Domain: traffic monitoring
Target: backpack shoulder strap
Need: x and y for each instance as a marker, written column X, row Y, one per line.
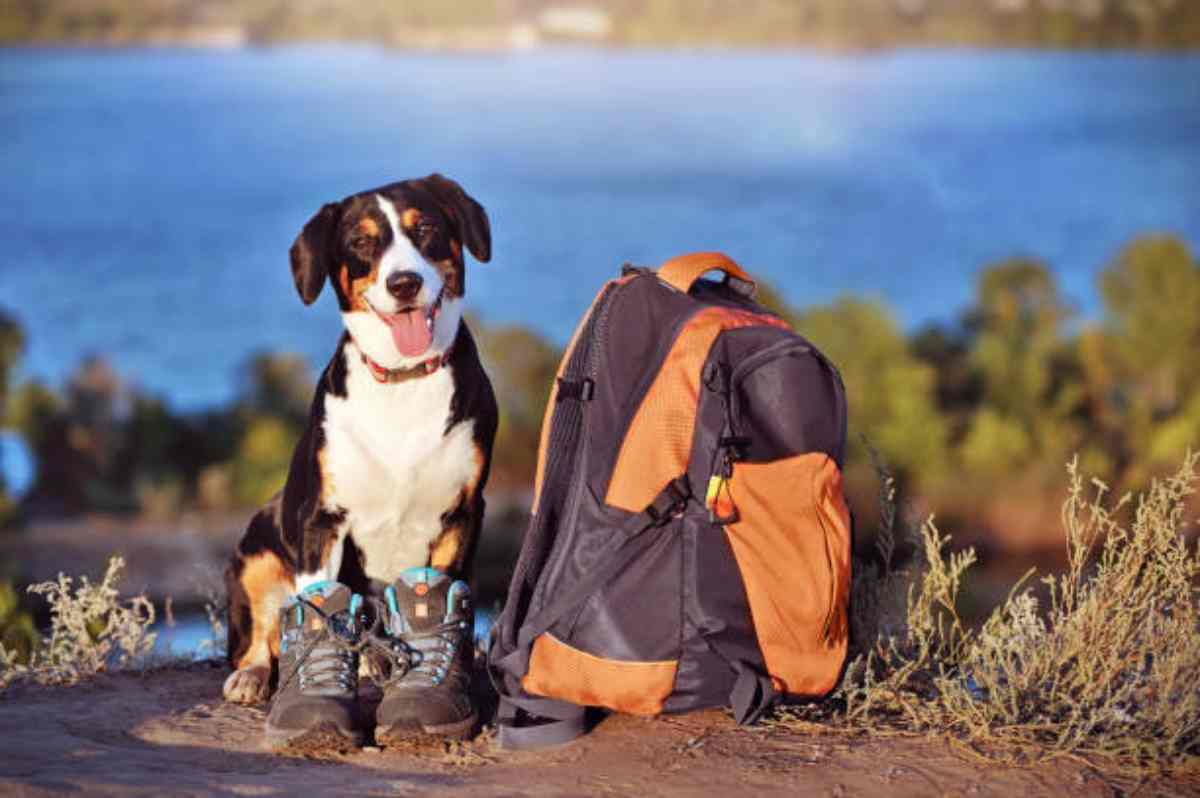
column 559, row 722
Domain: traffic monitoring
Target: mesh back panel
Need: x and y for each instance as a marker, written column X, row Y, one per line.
column 585, row 323
column 556, row 458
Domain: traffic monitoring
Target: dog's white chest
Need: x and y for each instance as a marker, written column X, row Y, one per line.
column 393, row 467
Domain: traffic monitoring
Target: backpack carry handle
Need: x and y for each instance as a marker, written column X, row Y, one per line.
column 682, row 272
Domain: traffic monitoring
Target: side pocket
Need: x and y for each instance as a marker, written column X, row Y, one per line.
column 621, row 647
column 792, row 546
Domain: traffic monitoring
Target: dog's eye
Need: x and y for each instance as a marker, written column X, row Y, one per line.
column 363, row 246
column 425, row 230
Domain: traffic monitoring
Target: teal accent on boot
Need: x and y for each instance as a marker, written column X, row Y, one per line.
column 458, row 599
column 429, row 620
column 355, row 605
column 315, row 705
column 415, row 576
column 324, row 588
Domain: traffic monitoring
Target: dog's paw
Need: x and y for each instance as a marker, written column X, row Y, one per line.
column 374, row 666
column 248, row 685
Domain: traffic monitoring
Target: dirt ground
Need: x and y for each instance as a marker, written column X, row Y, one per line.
column 168, row 732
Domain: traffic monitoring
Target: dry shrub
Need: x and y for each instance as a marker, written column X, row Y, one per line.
column 1114, row 666
column 211, row 585
column 1110, row 668
column 91, row 630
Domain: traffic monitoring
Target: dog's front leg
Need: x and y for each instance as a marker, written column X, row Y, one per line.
column 322, row 547
column 258, row 583
column 454, row 548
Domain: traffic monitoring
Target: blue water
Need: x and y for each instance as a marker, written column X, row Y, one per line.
column 192, row 636
column 149, row 198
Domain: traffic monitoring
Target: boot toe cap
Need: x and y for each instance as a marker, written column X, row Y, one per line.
column 425, row 710
column 306, row 712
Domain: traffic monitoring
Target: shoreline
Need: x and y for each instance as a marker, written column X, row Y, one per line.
column 181, row 559
column 185, row 43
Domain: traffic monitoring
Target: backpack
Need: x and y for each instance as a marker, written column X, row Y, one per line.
column 689, row 542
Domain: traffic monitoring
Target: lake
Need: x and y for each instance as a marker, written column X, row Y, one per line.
column 150, row 196
column 191, row 636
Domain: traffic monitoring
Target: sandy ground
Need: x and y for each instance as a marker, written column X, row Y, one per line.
column 168, row 732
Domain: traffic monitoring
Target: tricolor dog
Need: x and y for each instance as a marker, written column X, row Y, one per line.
column 390, row 471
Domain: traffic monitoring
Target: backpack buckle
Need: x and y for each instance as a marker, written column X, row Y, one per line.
column 735, row 446
column 581, row 390
column 670, row 503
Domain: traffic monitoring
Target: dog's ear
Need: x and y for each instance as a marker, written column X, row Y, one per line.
column 468, row 214
column 312, row 252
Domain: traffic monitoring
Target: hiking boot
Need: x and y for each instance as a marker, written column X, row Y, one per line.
column 429, row 625
column 316, row 706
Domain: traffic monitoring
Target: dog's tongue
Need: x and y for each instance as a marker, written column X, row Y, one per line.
column 411, row 333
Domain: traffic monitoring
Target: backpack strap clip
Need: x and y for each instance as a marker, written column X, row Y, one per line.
column 670, row 502
column 580, row 390
column 753, row 695
column 735, row 445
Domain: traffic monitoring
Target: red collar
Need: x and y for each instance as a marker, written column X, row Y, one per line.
column 422, row 369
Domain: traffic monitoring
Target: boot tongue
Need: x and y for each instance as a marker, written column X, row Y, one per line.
column 332, row 598
column 411, row 332
column 421, row 594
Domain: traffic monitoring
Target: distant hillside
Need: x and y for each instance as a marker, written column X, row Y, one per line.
column 490, row 24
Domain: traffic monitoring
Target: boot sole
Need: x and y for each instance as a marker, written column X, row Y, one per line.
column 458, row 730
column 324, row 738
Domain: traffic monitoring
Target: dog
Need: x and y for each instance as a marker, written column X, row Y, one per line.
column 390, row 471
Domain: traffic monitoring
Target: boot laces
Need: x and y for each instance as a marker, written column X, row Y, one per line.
column 419, row 659
column 328, row 660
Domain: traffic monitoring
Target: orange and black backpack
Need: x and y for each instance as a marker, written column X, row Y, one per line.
column 689, row 544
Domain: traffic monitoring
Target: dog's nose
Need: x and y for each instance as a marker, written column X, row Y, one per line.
column 404, row 285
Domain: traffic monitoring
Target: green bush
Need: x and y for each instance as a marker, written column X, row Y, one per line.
column 18, row 634
column 261, row 465
column 522, row 366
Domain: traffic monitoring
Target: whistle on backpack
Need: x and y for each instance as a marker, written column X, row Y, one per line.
column 719, row 498
column 721, row 509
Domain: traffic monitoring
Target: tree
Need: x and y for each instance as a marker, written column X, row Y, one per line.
column 522, row 366
column 1152, row 298
column 1025, row 370
column 1141, row 369
column 12, row 343
column 889, row 391
column 280, row 385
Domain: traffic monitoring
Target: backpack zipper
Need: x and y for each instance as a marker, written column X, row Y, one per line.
column 760, row 358
column 772, row 352
column 730, row 446
column 781, row 348
column 768, row 353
